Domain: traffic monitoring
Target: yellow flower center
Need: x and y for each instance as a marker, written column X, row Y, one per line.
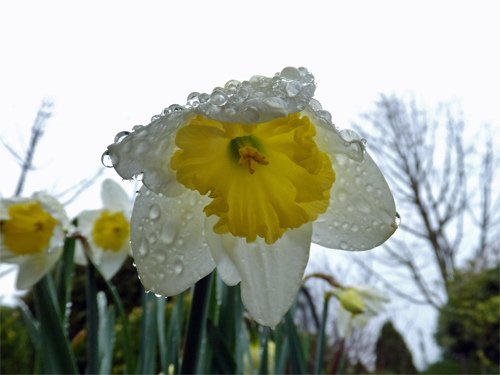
column 111, row 230
column 263, row 179
column 28, row 229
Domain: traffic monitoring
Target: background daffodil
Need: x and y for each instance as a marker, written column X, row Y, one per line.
column 358, row 304
column 107, row 231
column 244, row 179
column 32, row 235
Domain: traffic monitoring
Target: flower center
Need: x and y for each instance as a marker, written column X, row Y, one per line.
column 226, row 162
column 111, row 231
column 246, row 150
column 28, row 229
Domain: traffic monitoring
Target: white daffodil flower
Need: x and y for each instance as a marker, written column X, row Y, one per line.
column 107, row 231
column 243, row 180
column 357, row 306
column 32, row 235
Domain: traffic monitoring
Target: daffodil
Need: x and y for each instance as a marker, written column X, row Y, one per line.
column 106, row 230
column 244, row 179
column 32, row 232
column 358, row 304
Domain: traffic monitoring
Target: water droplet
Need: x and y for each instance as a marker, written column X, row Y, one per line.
column 345, row 226
column 336, row 224
column 152, row 238
column 342, row 195
column 178, row 266
column 218, row 98
column 160, row 257
column 369, row 188
column 251, row 114
column 137, row 127
column 180, row 242
column 143, row 249
column 354, row 228
column 397, row 221
column 155, row 117
column 363, row 207
column 193, row 99
column 232, row 84
column 121, row 136
column 350, row 208
column 203, row 97
column 175, row 108
column 154, row 212
column 106, row 159
column 168, row 234
column 290, row 73
column 293, row 88
column 161, row 275
column 344, row 245
column 158, row 295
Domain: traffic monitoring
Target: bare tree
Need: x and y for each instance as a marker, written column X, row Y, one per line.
column 440, row 189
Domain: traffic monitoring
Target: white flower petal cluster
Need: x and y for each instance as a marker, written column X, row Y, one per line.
column 175, row 242
column 108, row 261
column 32, row 235
column 372, row 303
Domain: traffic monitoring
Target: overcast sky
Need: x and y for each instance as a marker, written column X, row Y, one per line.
column 111, row 65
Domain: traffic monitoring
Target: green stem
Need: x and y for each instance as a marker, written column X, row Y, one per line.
column 55, row 353
column 92, row 320
column 197, row 324
column 321, row 340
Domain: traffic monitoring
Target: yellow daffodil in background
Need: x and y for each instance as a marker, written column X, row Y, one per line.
column 244, row 179
column 32, row 232
column 357, row 306
column 107, row 231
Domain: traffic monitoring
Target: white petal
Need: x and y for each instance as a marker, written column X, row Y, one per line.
column 168, row 242
column 148, row 151
column 226, row 268
column 343, row 322
column 33, row 267
column 114, row 198
column 110, row 262
column 270, row 275
column 362, row 213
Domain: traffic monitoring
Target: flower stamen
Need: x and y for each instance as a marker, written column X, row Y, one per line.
column 250, row 154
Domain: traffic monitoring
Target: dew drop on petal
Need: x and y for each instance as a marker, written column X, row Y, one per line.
column 342, row 195
column 193, row 99
column 154, row 212
column 106, row 159
column 152, row 238
column 121, row 136
column 290, row 73
column 218, row 98
column 344, row 245
column 143, row 248
column 369, row 188
column 178, row 266
column 168, row 234
column 293, row 88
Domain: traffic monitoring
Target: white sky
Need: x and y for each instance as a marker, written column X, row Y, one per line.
column 111, row 65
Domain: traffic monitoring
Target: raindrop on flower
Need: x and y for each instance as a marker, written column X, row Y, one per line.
column 218, row 98
column 106, row 159
column 290, row 73
column 344, row 245
column 203, row 97
column 178, row 266
column 293, row 88
column 154, row 212
column 193, row 99
column 175, row 108
column 121, row 136
column 155, row 117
